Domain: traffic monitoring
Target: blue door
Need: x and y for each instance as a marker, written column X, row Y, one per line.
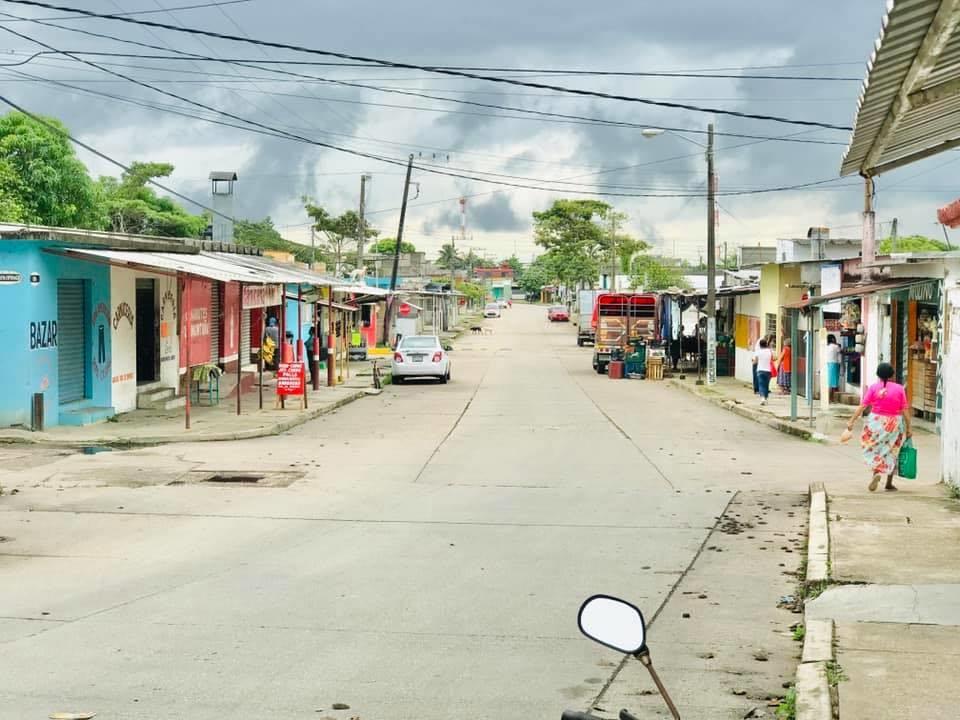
column 71, row 340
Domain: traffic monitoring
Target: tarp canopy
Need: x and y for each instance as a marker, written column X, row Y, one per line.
column 909, row 106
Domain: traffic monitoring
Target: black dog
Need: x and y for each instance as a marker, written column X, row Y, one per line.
column 476, row 330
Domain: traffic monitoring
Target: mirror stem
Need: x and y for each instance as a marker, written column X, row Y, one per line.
column 644, row 657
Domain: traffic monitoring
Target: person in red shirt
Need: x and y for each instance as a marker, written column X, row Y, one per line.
column 886, row 427
column 784, row 367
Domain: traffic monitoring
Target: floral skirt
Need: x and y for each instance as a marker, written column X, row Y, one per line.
column 881, row 440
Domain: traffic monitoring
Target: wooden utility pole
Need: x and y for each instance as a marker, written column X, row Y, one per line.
column 711, row 263
column 361, row 229
column 613, row 251
column 396, row 253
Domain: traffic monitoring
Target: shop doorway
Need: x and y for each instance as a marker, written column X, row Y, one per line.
column 73, row 368
column 148, row 332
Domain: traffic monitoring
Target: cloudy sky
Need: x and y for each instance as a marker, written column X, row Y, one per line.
column 371, row 110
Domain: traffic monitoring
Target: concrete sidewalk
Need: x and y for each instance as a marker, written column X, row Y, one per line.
column 208, row 423
column 738, row 397
column 894, row 600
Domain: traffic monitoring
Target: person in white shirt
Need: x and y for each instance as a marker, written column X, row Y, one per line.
column 763, row 364
column 833, row 364
column 756, row 349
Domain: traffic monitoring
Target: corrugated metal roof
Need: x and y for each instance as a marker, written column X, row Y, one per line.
column 909, row 106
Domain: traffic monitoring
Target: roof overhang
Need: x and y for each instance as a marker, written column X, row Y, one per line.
column 909, row 106
column 857, row 291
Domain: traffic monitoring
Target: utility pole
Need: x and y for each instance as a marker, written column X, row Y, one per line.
column 711, row 264
column 361, row 229
column 391, row 300
column 893, row 235
column 613, row 246
column 463, row 239
column 313, row 247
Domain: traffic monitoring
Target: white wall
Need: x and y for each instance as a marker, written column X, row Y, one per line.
column 123, row 289
column 747, row 305
column 950, row 419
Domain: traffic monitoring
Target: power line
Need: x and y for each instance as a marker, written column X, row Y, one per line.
column 572, row 119
column 104, row 156
column 139, row 12
column 437, row 70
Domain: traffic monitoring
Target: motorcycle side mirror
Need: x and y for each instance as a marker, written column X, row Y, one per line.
column 614, row 623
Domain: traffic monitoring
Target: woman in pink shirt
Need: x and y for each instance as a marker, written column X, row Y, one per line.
column 886, row 426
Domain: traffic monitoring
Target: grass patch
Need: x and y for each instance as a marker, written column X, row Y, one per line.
column 799, row 633
column 835, row 674
column 953, row 491
column 787, row 709
column 810, row 591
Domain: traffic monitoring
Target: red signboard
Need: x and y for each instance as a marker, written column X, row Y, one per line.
column 196, row 302
column 291, row 379
column 949, row 215
column 230, row 333
column 404, row 309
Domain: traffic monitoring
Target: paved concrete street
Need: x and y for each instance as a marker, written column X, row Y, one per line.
column 419, row 554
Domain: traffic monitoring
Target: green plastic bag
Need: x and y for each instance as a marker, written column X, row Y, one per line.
column 907, row 463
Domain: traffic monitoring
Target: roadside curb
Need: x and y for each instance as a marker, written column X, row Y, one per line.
column 818, row 536
column 814, row 700
column 184, row 436
column 758, row 416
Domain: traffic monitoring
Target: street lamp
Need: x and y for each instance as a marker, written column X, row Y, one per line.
column 711, row 247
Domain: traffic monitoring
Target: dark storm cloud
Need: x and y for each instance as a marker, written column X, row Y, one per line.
column 493, row 214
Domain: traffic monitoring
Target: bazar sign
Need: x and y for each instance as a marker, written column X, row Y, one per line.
column 258, row 296
column 9, row 277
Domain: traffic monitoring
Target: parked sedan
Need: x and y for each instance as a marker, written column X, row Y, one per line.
column 492, row 310
column 420, row 356
column 558, row 313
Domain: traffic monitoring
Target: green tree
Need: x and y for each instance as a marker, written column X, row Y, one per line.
column 389, row 246
column 341, row 231
column 573, row 232
column 911, row 243
column 514, row 262
column 654, row 274
column 449, row 258
column 541, row 272
column 263, row 234
column 476, row 293
column 132, row 207
column 42, row 181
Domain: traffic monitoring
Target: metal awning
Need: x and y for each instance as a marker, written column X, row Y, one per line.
column 857, row 291
column 909, row 106
column 225, row 267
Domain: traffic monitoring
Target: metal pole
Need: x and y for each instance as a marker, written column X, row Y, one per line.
column 809, row 373
column 187, row 314
column 396, row 253
column 711, row 264
column 613, row 246
column 313, row 247
column 283, row 336
column 263, row 333
column 331, row 340
column 301, row 351
column 794, row 337
column 314, row 360
column 239, row 343
column 361, row 229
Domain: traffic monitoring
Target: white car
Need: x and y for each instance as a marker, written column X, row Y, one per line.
column 420, row 356
column 492, row 310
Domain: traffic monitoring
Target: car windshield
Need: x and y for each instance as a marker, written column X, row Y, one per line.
column 558, row 309
column 492, row 306
column 421, row 342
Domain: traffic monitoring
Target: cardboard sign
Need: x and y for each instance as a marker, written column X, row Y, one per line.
column 291, row 379
column 258, row 296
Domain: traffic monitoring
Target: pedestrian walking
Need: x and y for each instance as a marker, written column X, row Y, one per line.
column 764, row 365
column 784, row 367
column 833, row 364
column 756, row 349
column 886, row 426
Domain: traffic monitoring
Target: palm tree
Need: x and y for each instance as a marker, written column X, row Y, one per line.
column 449, row 257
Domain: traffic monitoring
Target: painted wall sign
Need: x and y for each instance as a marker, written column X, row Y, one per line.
column 258, row 296
column 101, row 357
column 123, row 311
column 168, row 311
column 199, row 318
column 34, row 278
column 229, row 337
column 10, row 277
column 43, row 334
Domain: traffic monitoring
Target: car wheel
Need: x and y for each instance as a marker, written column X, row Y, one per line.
column 397, row 380
column 444, row 379
column 601, row 369
column 579, row 342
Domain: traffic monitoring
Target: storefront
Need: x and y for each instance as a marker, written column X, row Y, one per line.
column 922, row 347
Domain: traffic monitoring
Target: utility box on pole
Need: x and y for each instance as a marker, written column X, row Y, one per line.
column 222, row 183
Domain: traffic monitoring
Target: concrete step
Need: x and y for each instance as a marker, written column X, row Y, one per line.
column 147, row 387
column 155, row 398
column 85, row 415
column 172, row 403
